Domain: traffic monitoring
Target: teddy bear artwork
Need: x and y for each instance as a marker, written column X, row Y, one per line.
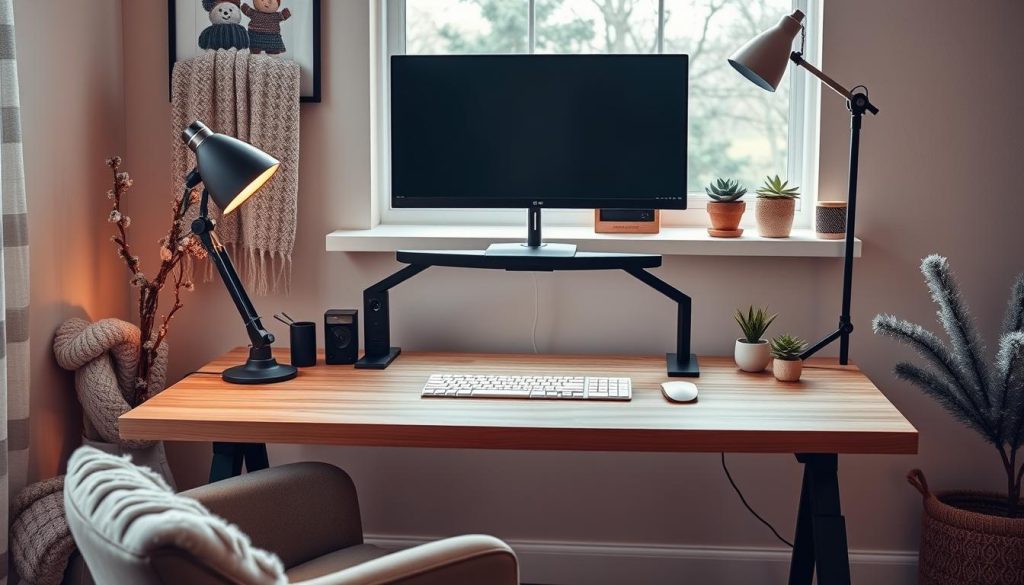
column 226, row 30
column 265, row 26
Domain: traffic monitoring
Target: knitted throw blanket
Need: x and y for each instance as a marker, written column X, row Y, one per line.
column 104, row 356
column 254, row 98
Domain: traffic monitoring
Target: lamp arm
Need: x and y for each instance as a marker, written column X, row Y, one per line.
column 832, row 84
column 202, row 227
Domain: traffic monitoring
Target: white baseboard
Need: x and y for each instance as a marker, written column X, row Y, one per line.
column 587, row 563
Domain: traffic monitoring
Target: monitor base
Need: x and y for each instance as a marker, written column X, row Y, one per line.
column 547, row 250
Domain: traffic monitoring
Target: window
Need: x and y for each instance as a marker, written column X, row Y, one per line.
column 736, row 129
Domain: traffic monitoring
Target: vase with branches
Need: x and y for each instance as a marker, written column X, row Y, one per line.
column 986, row 395
column 178, row 248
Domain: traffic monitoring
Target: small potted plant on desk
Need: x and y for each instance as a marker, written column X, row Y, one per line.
column 969, row 536
column 726, row 209
column 787, row 365
column 776, row 206
column 751, row 351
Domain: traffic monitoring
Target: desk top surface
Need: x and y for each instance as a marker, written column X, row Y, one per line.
column 834, row 409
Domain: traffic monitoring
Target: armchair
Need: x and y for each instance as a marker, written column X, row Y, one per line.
column 306, row 513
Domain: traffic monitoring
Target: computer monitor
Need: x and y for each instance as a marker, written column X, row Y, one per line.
column 535, row 131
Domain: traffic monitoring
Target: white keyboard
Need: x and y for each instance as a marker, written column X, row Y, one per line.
column 547, row 387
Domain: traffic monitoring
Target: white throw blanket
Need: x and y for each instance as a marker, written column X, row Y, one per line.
column 254, row 98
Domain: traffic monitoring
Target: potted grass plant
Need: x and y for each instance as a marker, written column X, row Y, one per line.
column 969, row 537
column 776, row 206
column 725, row 208
column 786, row 362
column 751, row 351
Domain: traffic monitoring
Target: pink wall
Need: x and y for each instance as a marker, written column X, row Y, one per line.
column 72, row 107
column 938, row 171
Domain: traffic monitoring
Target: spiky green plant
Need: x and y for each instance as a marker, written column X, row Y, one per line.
column 725, row 190
column 776, row 188
column 986, row 396
column 787, row 347
column 754, row 323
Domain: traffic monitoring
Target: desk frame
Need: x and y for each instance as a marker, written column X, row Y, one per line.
column 835, row 410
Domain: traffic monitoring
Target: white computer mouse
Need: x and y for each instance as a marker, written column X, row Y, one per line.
column 679, row 391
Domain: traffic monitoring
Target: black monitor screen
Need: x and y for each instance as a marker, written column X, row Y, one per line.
column 569, row 131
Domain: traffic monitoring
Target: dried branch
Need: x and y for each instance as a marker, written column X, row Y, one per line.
column 176, row 248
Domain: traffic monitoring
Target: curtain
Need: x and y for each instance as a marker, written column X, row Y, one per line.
column 14, row 296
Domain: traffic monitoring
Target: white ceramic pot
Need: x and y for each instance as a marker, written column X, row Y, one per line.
column 752, row 357
column 787, row 370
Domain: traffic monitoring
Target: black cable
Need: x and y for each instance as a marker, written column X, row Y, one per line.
column 749, row 509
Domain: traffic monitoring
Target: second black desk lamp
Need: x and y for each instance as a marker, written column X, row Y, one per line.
column 231, row 171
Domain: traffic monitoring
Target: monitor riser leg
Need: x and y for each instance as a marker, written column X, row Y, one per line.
column 686, row 368
column 378, row 362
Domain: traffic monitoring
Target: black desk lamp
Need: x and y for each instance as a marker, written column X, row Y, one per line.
column 231, row 171
column 763, row 61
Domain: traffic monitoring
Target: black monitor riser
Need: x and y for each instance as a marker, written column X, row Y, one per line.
column 376, row 322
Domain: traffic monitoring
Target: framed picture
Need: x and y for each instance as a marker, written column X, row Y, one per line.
column 289, row 29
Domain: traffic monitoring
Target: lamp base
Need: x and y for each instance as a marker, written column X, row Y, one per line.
column 260, row 368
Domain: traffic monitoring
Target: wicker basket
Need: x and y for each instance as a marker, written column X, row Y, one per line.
column 964, row 543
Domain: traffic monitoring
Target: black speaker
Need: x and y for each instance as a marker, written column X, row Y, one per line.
column 341, row 336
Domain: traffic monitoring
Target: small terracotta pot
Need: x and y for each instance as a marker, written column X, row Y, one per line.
column 787, row 370
column 752, row 357
column 775, row 216
column 725, row 218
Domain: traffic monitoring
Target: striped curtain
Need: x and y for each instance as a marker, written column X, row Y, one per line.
column 14, row 395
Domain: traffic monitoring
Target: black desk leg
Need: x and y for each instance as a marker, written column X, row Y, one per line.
column 228, row 459
column 820, row 527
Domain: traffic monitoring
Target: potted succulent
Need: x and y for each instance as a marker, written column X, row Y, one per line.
column 751, row 352
column 776, row 205
column 725, row 209
column 966, row 536
column 787, row 365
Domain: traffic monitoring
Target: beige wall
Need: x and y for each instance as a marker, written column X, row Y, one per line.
column 72, row 99
column 938, row 174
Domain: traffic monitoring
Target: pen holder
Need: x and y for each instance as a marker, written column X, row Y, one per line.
column 303, row 341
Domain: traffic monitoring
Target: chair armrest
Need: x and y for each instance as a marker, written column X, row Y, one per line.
column 458, row 560
column 298, row 511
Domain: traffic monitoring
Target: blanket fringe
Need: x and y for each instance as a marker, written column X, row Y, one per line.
column 263, row 272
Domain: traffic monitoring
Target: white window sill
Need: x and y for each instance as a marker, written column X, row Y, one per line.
column 681, row 241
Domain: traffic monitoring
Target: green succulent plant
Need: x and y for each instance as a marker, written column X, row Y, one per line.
column 754, row 323
column 787, row 347
column 725, row 190
column 776, row 188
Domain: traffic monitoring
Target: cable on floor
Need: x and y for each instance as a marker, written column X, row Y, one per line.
column 749, row 509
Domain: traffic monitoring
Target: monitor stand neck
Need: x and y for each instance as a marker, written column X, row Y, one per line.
column 533, row 246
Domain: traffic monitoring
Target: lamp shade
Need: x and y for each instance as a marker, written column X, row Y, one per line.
column 232, row 170
column 764, row 58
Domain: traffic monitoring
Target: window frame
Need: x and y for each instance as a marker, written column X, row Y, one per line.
column 803, row 139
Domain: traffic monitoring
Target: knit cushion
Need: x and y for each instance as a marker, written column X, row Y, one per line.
column 40, row 541
column 122, row 515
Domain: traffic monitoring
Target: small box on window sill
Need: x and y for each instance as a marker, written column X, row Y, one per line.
column 627, row 221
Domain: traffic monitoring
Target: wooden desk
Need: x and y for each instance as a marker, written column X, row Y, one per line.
column 834, row 409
